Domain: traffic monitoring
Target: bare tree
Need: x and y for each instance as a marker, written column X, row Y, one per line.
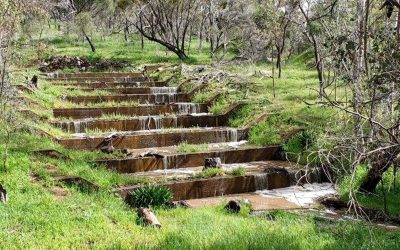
column 167, row 22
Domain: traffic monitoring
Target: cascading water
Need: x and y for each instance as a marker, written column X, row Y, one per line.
column 188, row 108
column 80, row 126
column 261, row 181
column 165, row 164
column 146, row 121
column 165, row 98
column 233, row 134
column 175, row 122
column 164, row 90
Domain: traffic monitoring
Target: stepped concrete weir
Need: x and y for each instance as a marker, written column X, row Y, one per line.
column 141, row 98
column 113, row 85
column 93, row 74
column 158, row 96
column 155, row 138
column 187, row 160
column 88, row 79
column 140, row 110
column 149, row 122
column 261, row 176
column 132, row 90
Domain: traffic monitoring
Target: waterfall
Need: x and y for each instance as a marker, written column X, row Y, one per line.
column 261, row 181
column 145, row 122
column 171, row 98
column 164, row 90
column 165, row 98
column 233, row 135
column 188, row 108
column 165, row 164
column 175, row 121
column 158, row 121
column 77, row 126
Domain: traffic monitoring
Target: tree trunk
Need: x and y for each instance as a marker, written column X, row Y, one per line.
column 142, row 40
column 92, row 47
column 374, row 176
column 279, row 62
column 380, row 164
column 126, row 30
column 398, row 25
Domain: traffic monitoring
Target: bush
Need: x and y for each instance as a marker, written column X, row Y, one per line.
column 240, row 171
column 150, row 196
column 201, row 97
column 209, row 173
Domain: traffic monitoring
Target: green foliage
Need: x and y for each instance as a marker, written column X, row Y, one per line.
column 301, row 141
column 201, row 97
column 219, row 107
column 209, row 173
column 266, row 132
column 240, row 171
column 245, row 115
column 191, row 148
column 151, row 195
column 391, row 189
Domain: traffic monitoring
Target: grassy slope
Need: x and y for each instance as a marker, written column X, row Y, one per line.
column 35, row 218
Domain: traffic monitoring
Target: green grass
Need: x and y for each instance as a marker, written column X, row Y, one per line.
column 209, row 173
column 36, row 218
column 391, row 189
column 191, row 148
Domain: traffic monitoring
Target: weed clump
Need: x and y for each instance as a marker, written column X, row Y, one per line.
column 240, row 171
column 209, row 173
column 150, row 196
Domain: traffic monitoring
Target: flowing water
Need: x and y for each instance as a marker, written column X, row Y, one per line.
column 188, row 108
column 164, row 98
column 163, row 90
column 303, row 196
column 233, row 134
column 147, row 121
column 261, row 181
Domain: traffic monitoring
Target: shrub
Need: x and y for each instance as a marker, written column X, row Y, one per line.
column 240, row 171
column 219, row 107
column 201, row 97
column 209, row 173
column 150, row 196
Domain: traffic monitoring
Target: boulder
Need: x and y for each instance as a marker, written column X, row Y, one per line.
column 212, row 163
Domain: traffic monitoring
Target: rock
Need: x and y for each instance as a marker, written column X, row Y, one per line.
column 34, row 81
column 199, row 69
column 3, row 194
column 180, row 203
column 212, row 163
column 233, row 206
column 108, row 149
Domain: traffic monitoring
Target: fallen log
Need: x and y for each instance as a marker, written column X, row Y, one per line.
column 148, row 217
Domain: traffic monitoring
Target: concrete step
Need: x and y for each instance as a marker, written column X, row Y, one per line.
column 260, row 176
column 140, row 98
column 155, row 138
column 148, row 122
column 141, row 110
column 176, row 160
